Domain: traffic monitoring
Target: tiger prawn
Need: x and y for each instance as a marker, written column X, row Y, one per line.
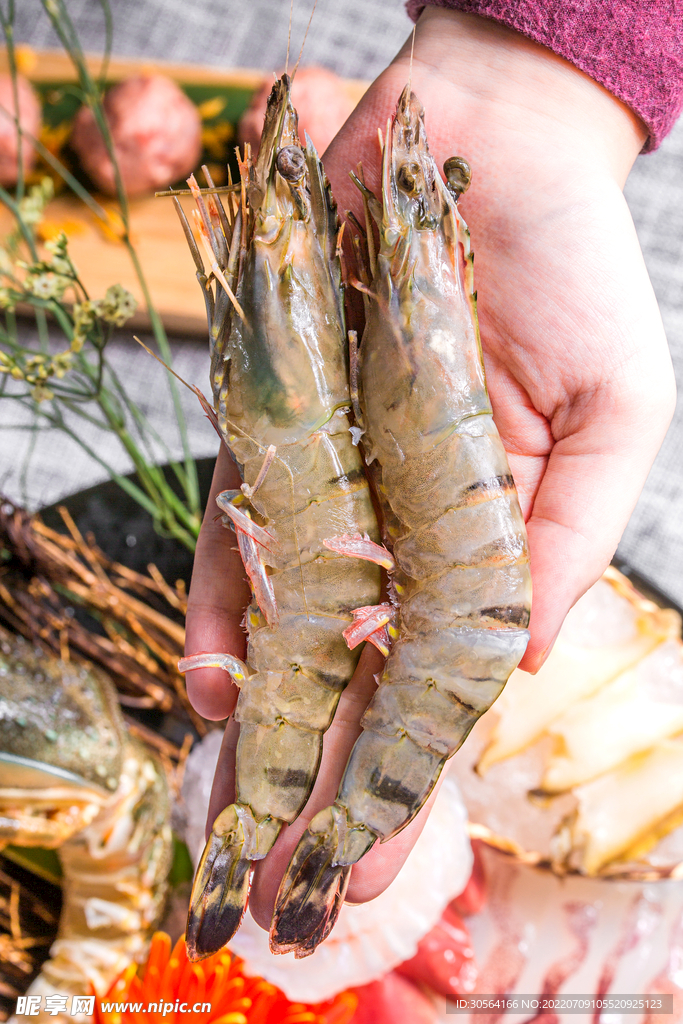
column 280, row 384
column 460, row 561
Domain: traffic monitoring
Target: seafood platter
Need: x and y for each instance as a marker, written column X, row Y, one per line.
column 571, row 786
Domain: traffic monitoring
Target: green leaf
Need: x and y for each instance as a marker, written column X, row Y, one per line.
column 42, row 862
column 182, row 869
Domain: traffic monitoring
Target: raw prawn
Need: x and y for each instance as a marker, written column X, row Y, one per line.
column 73, row 781
column 461, row 574
column 280, row 385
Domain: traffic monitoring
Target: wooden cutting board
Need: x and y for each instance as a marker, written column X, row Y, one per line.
column 101, row 259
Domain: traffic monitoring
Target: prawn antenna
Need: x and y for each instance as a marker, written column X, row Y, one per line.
column 410, row 69
column 289, row 34
column 315, row 4
column 203, row 401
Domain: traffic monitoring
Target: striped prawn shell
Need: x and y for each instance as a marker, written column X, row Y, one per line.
column 454, row 521
column 280, row 377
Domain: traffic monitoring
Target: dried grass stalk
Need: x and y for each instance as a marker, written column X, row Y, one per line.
column 135, row 636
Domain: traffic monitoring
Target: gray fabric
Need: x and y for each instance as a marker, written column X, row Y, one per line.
column 39, row 468
column 653, row 541
column 356, row 38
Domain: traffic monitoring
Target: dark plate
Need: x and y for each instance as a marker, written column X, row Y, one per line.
column 646, row 587
column 124, row 530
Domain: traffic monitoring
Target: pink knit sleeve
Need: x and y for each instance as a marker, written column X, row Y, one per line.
column 632, row 47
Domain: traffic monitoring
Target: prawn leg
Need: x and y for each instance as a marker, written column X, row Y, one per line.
column 374, row 623
column 252, row 542
column 461, row 578
column 235, row 668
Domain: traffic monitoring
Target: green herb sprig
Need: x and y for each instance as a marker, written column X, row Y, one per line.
column 72, row 377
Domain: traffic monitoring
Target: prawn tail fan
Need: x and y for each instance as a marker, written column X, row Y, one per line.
column 221, row 885
column 313, row 890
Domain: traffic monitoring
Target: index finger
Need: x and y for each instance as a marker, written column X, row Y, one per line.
column 219, row 594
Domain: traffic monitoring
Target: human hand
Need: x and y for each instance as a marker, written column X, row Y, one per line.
column 577, row 364
column 576, row 358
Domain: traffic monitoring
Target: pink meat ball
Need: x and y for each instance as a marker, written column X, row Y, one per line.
column 29, row 119
column 156, row 132
column 320, row 99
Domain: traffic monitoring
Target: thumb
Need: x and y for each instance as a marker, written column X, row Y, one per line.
column 579, row 514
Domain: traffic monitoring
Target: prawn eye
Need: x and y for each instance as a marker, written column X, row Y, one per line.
column 291, row 163
column 458, row 175
column 408, row 178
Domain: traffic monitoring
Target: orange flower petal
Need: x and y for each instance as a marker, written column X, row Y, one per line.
column 339, row 1010
column 159, row 954
column 219, row 981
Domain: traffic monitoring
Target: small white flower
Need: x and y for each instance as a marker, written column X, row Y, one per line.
column 33, row 204
column 47, row 286
column 117, row 306
column 41, row 393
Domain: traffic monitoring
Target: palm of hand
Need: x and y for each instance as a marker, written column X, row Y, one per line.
column 577, row 363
